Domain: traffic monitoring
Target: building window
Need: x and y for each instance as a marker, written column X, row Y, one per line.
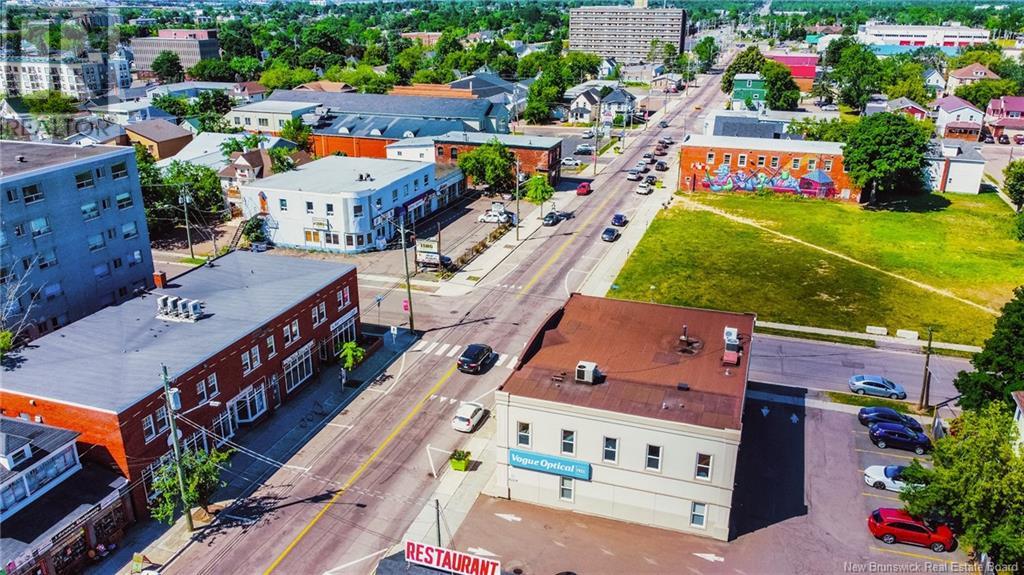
column 134, row 259
column 47, row 259
column 698, row 514
column 12, row 195
column 330, row 209
column 129, row 231
column 727, row 159
column 703, row 466
column 162, row 423
column 264, row 122
column 238, row 121
column 31, row 194
column 760, row 161
column 440, row 151
column 124, row 201
column 775, row 161
column 343, row 298
column 201, row 390
column 796, row 164
column 255, row 354
column 610, row 453
column 101, row 270
column 96, row 242
column 211, row 386
column 711, row 158
column 309, row 207
column 105, row 203
column 283, row 204
column 90, row 211
column 332, row 238
column 455, row 153
column 568, row 442
column 119, row 170
column 523, row 434
column 394, row 195
column 315, row 312
column 565, row 488
column 295, row 330
column 117, row 263
column 827, row 165
column 251, row 403
column 741, row 161
column 298, row 368
column 248, row 121
column 653, row 462
column 812, row 164
column 39, row 227
column 357, row 211
column 148, row 430
column 84, row 180
column 271, row 347
column 246, row 363
column 312, row 236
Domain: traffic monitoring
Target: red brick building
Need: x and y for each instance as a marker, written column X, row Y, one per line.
column 536, row 154
column 734, row 164
column 804, row 67
column 264, row 326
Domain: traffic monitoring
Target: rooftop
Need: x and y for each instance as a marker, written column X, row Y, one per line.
column 387, row 105
column 204, row 149
column 42, row 439
column 785, row 146
column 157, row 130
column 974, row 71
column 111, row 359
column 952, row 103
column 636, row 347
column 747, row 77
column 378, row 126
column 278, row 106
column 511, row 140
column 339, row 174
column 38, row 156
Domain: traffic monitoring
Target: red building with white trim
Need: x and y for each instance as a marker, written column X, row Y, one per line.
column 804, row 67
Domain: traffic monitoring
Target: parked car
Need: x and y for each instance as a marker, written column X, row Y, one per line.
column 885, row 435
column 666, row 141
column 869, row 415
column 830, row 108
column 651, row 179
column 889, row 477
column 643, row 167
column 1018, row 139
column 610, row 234
column 660, row 151
column 876, row 385
column 619, row 220
column 585, row 149
column 634, row 175
column 474, row 358
column 587, row 134
column 661, row 166
column 988, row 140
column 663, row 124
column 490, row 217
column 643, row 188
column 898, row 526
column 552, row 219
column 649, row 158
column 1004, row 139
column 583, row 189
column 571, row 162
column 467, row 417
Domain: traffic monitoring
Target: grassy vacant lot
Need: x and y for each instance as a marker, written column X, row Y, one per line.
column 702, row 259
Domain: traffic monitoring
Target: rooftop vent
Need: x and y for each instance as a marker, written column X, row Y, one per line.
column 173, row 308
column 683, row 386
column 731, row 355
column 587, row 372
column 20, row 158
column 687, row 344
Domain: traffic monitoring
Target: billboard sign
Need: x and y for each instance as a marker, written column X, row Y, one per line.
column 549, row 464
column 449, row 561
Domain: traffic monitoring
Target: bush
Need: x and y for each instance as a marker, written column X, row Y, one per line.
column 1020, row 226
column 253, row 230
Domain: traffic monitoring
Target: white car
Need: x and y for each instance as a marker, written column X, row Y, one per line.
column 571, row 162
column 634, row 175
column 643, row 188
column 888, row 477
column 493, row 218
column 467, row 417
column 587, row 134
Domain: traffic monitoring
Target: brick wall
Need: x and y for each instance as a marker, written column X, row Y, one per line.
column 351, row 146
column 531, row 160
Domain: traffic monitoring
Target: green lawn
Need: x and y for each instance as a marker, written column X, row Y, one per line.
column 701, row 259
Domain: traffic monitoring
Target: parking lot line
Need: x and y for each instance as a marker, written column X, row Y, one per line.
column 915, row 555
column 887, row 454
column 880, row 496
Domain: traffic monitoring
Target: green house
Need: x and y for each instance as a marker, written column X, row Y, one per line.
column 748, row 91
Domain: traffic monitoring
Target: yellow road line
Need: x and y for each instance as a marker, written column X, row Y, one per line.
column 931, row 558
column 880, row 496
column 362, row 469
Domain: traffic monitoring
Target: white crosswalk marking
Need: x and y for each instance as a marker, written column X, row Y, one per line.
column 419, row 345
column 430, row 347
column 444, row 347
column 455, row 350
column 501, row 359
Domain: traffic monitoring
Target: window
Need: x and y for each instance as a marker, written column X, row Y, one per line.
column 101, row 270
column 440, row 151
column 568, row 442
column 653, row 462
column 19, row 230
column 523, row 434
column 315, row 312
column 84, row 180
column 12, row 195
column 455, row 153
column 394, row 195
column 248, row 121
column 330, row 209
column 295, row 330
column 312, row 236
column 111, row 233
column 610, row 453
column 119, row 170
column 39, row 227
column 255, row 353
column 117, row 263
column 148, row 431
column 90, row 211
column 201, row 390
column 280, row 123
column 298, row 367
column 287, row 335
column 703, row 466
column 31, row 194
column 309, row 207
column 760, row 161
column 711, row 158
column 47, row 259
column 283, row 204
column 105, row 203
column 263, row 122
column 812, row 164
column 251, row 403
column 727, row 159
column 211, row 386
column 344, row 298
column 124, row 201
column 827, row 165
column 271, row 347
column 698, row 514
column 357, row 211
column 796, row 164
column 332, row 238
column 129, row 231
column 238, row 121
column 162, row 422
column 246, row 362
column 323, row 311
column 565, row 488
column 96, row 242
column 134, row 258
column 775, row 161
column 741, row 161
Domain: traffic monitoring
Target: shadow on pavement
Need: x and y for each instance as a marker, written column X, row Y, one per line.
column 770, row 468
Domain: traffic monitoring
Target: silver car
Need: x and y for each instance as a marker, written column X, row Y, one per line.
column 876, row 385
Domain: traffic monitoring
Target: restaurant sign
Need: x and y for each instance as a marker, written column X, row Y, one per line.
column 450, row 561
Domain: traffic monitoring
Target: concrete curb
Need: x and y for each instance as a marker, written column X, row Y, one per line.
column 869, row 337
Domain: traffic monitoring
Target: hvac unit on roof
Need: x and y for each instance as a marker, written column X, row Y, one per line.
column 183, row 307
column 587, row 372
column 195, row 309
column 172, row 305
column 731, row 355
column 161, row 304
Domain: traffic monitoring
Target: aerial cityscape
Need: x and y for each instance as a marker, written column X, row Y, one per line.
column 544, row 287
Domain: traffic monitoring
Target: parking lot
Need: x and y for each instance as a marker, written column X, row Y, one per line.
column 799, row 489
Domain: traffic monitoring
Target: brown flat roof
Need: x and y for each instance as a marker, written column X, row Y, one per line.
column 18, row 157
column 637, row 348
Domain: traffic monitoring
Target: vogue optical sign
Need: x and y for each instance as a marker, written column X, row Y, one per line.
column 450, row 561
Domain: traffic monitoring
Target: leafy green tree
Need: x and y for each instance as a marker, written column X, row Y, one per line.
column 173, row 105
column 6, row 342
column 707, row 51
column 531, row 64
column 987, row 58
column 281, row 160
column 448, row 43
column 297, row 131
column 749, row 61
column 857, row 74
column 202, row 471
column 203, row 185
column 167, row 67
column 406, row 63
column 253, row 229
column 284, row 77
column 538, row 190
column 216, row 101
column 999, row 367
column 887, row 151
column 1013, row 183
column 49, row 102
column 491, row 164
column 158, row 201
column 822, row 91
column 979, row 93
column 911, row 88
column 241, row 144
column 211, row 70
column 246, row 67
column 350, row 354
column 363, row 78
column 835, row 50
column 822, row 130
column 782, row 91
column 578, row 66
column 976, row 482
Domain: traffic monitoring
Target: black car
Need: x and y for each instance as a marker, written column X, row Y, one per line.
column 552, row 219
column 895, row 435
column 610, row 234
column 871, row 415
column 663, row 124
column 988, row 140
column 475, row 358
column 1004, row 139
column 661, row 166
column 651, row 179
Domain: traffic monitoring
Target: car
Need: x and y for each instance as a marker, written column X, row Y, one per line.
column 888, row 477
column 651, row 179
column 583, row 189
column 1004, row 139
column 490, row 217
column 666, row 141
column 610, row 234
column 885, row 435
column 587, row 134
column 663, row 124
column 1018, row 139
column 661, row 166
column 634, row 175
column 468, row 416
column 474, row 358
column 830, row 108
column 660, row 151
column 643, row 188
column 552, row 219
column 571, row 162
column 643, row 166
column 585, row 149
column 898, row 526
column 649, row 158
column 876, row 385
column 988, row 140
column 619, row 220
column 869, row 415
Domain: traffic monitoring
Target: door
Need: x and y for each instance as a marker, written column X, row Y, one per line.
column 914, row 534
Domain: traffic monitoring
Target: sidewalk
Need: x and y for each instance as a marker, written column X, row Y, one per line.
column 886, row 339
column 302, row 417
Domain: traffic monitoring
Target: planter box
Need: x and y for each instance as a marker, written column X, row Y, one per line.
column 459, row 464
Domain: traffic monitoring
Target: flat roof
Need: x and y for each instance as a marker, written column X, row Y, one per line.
column 42, row 440
column 338, row 174
column 276, row 106
column 389, row 105
column 636, row 345
column 38, row 155
column 111, row 359
column 158, row 130
column 516, row 141
column 788, row 146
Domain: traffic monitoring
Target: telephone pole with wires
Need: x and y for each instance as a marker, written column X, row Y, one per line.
column 185, row 198
column 170, row 402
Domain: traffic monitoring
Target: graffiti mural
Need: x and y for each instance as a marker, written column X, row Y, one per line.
column 815, row 184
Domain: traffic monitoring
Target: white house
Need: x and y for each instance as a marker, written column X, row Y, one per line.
column 955, row 166
column 956, row 117
column 267, row 116
column 934, row 80
column 614, row 429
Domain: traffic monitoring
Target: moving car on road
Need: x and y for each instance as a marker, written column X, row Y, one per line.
column 571, row 162
column 585, row 149
column 643, row 188
column 663, row 124
column 876, row 385
column 583, row 189
column 610, row 234
column 634, row 175
column 643, row 167
column 661, row 166
column 587, row 134
column 888, row 477
column 660, row 151
column 898, row 526
column 649, row 158
column 651, row 179
column 468, row 416
column 885, row 435
column 619, row 220
column 666, row 141
column 869, row 415
column 474, row 358
column 552, row 219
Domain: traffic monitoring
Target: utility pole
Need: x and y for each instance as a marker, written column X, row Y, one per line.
column 184, row 198
column 926, row 381
column 597, row 136
column 437, row 514
column 517, row 200
column 405, row 260
column 177, row 448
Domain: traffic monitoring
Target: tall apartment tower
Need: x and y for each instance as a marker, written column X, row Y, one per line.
column 625, row 33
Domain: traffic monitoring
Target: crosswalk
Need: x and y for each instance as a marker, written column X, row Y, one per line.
column 453, row 350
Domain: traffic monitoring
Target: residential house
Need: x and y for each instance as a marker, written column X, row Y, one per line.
column 748, row 91
column 670, row 82
column 1004, row 107
column 957, row 118
column 618, row 102
column 205, row 150
column 968, row 75
column 607, row 67
column 248, row 92
column 934, row 81
column 583, row 107
column 908, row 107
column 640, row 72
column 954, row 166
column 160, row 138
column 268, row 116
column 571, row 93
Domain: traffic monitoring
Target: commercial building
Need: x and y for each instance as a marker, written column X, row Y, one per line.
column 733, row 164
column 266, row 325
column 191, row 46
column 969, row 75
column 954, row 166
column 345, row 204
column 749, row 92
column 535, row 154
column 267, row 116
column 57, row 515
column 627, row 410
column 74, row 77
column 957, row 118
column 160, row 138
column 368, row 136
column 625, row 33
column 74, row 236
column 949, row 35
column 717, row 122
column 803, row 67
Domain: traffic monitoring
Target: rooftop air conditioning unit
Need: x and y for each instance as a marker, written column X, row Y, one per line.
column 586, row 372
column 731, row 355
column 172, row 305
column 183, row 307
column 161, row 304
column 195, row 309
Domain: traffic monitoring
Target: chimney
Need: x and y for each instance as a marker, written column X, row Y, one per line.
column 160, row 279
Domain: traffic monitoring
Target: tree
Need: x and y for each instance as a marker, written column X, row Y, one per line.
column 297, row 131
column 160, row 206
column 284, row 77
column 247, row 67
column 491, row 164
column 202, row 478
column 579, row 66
column 281, row 160
column 749, row 61
column 910, row 88
column 999, row 367
column 822, row 130
column 835, row 49
column 349, row 353
column 49, row 102
column 173, row 105
column 822, row 91
column 202, row 183
column 241, row 144
column 167, row 67
column 782, row 91
column 979, row 93
column 1013, row 183
column 211, row 70
column 253, row 230
column 16, row 302
column 707, row 51
column 887, row 151
column 976, row 483
column 857, row 74
column 538, row 190
column 216, row 101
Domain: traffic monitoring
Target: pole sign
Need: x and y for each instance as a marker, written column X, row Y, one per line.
column 549, row 464
column 450, row 561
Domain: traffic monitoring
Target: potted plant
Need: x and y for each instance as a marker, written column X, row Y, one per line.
column 459, row 460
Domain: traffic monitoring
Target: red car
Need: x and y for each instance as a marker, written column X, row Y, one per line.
column 660, row 151
column 583, row 189
column 898, row 526
column 1018, row 139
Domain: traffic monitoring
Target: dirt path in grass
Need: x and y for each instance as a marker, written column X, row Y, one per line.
column 690, row 204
